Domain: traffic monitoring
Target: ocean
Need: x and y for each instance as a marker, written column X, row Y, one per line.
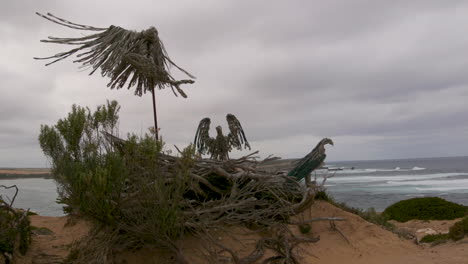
column 361, row 184
column 380, row 183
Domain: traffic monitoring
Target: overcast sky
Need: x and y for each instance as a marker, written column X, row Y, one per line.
column 383, row 79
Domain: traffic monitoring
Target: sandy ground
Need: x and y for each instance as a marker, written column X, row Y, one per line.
column 369, row 243
column 54, row 246
column 360, row 242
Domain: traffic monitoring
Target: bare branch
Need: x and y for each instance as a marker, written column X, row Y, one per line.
column 14, row 196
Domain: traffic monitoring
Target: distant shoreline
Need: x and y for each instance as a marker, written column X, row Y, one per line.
column 8, row 176
column 16, row 173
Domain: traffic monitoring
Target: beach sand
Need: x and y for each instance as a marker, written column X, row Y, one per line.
column 359, row 242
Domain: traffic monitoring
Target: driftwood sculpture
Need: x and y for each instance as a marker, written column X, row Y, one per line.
column 127, row 57
column 311, row 161
column 220, row 146
column 219, row 194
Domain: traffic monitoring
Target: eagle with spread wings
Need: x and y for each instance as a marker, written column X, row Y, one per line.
column 220, row 146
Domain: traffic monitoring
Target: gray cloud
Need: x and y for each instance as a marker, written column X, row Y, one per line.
column 384, row 79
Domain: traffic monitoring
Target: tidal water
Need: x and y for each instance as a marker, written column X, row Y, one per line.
column 37, row 194
column 361, row 184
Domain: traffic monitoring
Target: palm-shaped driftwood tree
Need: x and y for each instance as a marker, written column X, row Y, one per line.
column 128, row 57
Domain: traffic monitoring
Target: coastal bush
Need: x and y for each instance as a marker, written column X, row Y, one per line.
column 427, row 208
column 459, row 230
column 324, row 196
column 117, row 184
column 89, row 172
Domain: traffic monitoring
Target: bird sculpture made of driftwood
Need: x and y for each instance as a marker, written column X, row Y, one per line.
column 220, row 146
column 311, row 161
column 129, row 58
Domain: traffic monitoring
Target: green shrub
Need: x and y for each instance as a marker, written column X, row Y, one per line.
column 14, row 228
column 305, row 228
column 434, row 238
column 459, row 230
column 323, row 196
column 8, row 234
column 428, row 208
column 89, row 172
column 117, row 184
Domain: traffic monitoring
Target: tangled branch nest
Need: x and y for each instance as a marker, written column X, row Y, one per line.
column 217, row 194
column 233, row 192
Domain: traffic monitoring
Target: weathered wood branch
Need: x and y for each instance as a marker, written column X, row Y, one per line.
column 14, row 196
column 316, row 220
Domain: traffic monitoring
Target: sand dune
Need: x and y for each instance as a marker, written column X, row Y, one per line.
column 362, row 242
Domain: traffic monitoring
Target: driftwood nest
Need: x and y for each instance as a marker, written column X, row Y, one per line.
column 161, row 198
column 237, row 192
column 234, row 192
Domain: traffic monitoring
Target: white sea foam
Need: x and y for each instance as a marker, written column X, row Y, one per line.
column 371, row 170
column 442, row 189
column 415, row 195
column 460, row 183
column 401, row 179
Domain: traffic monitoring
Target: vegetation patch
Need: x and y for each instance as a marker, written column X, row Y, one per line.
column 427, row 208
column 459, row 230
column 15, row 233
column 41, row 231
column 438, row 238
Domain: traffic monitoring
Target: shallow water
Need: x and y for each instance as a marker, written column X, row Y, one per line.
column 37, row 194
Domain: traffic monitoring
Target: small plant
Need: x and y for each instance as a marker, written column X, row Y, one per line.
column 459, row 230
column 434, row 238
column 41, row 230
column 323, row 196
column 305, row 228
column 428, row 208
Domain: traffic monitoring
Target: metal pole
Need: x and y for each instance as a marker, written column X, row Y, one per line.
column 154, row 114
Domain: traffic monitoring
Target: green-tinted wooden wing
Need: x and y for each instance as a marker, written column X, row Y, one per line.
column 311, row 161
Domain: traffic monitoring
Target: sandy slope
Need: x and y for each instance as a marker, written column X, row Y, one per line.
column 364, row 243
column 53, row 247
column 369, row 243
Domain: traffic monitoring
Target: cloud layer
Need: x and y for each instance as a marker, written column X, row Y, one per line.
column 383, row 79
